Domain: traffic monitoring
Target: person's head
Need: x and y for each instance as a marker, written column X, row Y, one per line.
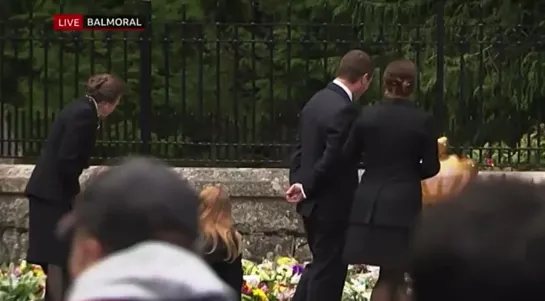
column 139, row 201
column 487, row 243
column 106, row 89
column 217, row 222
column 399, row 79
column 356, row 71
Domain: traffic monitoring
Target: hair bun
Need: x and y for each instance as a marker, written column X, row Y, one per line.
column 96, row 81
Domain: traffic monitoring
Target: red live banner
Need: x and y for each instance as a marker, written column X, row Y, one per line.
column 75, row 22
column 67, row 22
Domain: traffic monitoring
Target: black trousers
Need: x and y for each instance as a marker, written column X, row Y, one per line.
column 323, row 279
column 57, row 283
column 46, row 249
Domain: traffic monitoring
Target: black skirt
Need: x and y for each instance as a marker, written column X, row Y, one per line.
column 44, row 247
column 384, row 246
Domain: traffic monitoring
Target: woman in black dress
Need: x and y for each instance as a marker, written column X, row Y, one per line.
column 400, row 149
column 223, row 248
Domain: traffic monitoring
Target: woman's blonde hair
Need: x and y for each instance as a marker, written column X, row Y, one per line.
column 217, row 222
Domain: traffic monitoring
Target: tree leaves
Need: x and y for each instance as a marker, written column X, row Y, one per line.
column 239, row 68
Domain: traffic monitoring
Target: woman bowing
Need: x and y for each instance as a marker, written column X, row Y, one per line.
column 400, row 149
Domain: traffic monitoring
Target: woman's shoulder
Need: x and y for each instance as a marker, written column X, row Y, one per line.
column 215, row 252
column 218, row 251
column 406, row 107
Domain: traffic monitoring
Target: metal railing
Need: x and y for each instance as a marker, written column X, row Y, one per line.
column 225, row 90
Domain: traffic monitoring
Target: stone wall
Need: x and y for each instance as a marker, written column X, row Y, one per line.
column 269, row 224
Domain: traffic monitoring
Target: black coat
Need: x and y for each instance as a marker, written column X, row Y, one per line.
column 229, row 271
column 328, row 181
column 55, row 179
column 66, row 154
column 400, row 147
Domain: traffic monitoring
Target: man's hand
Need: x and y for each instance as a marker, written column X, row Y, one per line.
column 295, row 193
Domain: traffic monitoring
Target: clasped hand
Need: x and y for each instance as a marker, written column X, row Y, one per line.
column 295, row 193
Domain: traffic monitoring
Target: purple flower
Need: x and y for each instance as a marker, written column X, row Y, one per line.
column 297, row 269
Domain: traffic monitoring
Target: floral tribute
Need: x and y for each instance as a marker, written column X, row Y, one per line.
column 277, row 280
column 271, row 280
column 22, row 282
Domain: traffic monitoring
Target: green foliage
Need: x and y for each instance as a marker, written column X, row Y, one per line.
column 238, row 71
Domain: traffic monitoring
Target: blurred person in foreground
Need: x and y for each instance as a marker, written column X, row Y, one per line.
column 322, row 183
column 485, row 244
column 223, row 243
column 55, row 179
column 400, row 147
column 136, row 236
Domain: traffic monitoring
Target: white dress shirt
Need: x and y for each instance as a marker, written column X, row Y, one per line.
column 345, row 88
column 93, row 100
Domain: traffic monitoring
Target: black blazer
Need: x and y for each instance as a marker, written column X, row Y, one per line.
column 328, row 181
column 400, row 147
column 66, row 154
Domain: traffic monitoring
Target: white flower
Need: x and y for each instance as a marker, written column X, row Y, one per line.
column 295, row 279
column 252, row 280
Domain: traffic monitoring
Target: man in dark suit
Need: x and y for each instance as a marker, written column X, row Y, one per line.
column 55, row 179
column 322, row 187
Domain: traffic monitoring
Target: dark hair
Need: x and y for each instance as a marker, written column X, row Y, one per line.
column 488, row 243
column 141, row 199
column 105, row 87
column 399, row 78
column 355, row 64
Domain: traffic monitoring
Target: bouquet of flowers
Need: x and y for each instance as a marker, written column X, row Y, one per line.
column 277, row 280
column 271, row 280
column 360, row 280
column 22, row 282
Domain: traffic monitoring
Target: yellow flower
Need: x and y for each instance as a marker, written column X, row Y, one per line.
column 260, row 294
column 39, row 273
column 37, row 270
column 286, row 261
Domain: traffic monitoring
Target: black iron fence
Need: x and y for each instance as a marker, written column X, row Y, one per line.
column 219, row 87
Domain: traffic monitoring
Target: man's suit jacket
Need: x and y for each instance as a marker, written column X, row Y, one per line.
column 66, row 154
column 328, row 180
column 400, row 147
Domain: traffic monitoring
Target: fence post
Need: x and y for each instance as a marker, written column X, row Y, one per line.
column 439, row 106
column 145, row 80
